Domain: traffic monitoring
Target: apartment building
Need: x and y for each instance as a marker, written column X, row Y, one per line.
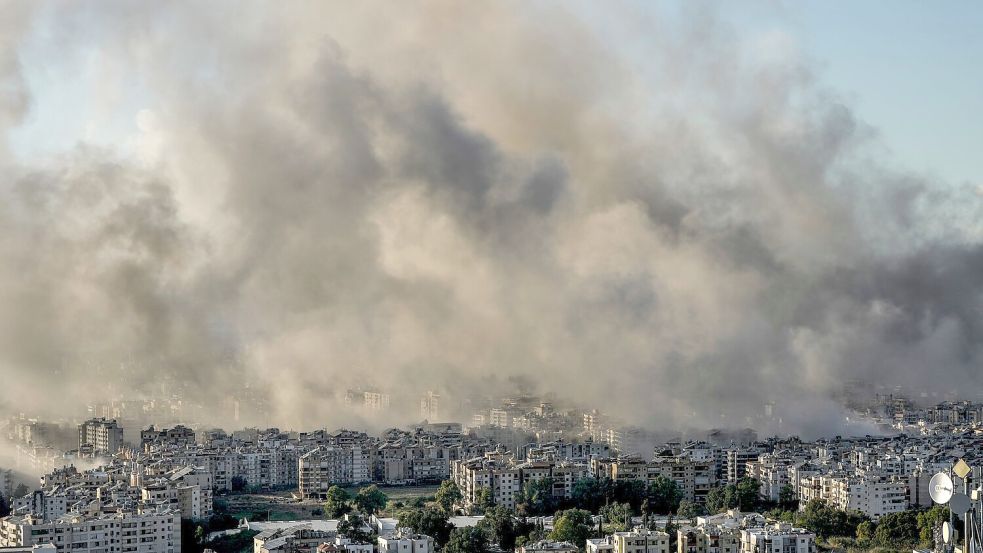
column 695, row 478
column 640, row 541
column 874, row 496
column 495, row 472
column 327, row 466
column 101, row 435
column 737, row 460
column 777, row 538
column 546, row 546
column 430, row 406
column 406, row 542
column 179, row 436
column 300, row 538
column 119, row 532
column 772, row 472
column 708, row 539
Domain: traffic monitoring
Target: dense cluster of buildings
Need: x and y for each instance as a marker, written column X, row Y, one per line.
column 118, row 493
column 730, row 532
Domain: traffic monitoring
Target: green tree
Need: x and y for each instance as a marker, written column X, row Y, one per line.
column 720, row 498
column 929, row 520
column 482, row 501
column 447, row 495
column 689, row 510
column 574, row 526
column 371, row 499
column 199, row 533
column 238, row 484
column 632, row 492
column 865, row 533
column 827, row 521
column 788, row 500
column 590, row 493
column 617, row 514
column 538, row 497
column 353, row 528
column 467, row 540
column 336, row 505
column 430, row 521
column 664, row 495
column 501, row 526
column 748, row 493
column 897, row 530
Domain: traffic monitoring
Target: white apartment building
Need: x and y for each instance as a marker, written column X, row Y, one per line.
column 874, row 496
column 640, row 541
column 430, row 406
column 600, row 545
column 493, row 472
column 404, row 542
column 500, row 417
column 772, row 472
column 778, row 538
column 327, row 466
column 121, row 532
column 300, row 538
column 188, row 489
column 546, row 546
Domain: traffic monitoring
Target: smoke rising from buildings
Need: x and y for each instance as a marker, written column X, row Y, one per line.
column 315, row 197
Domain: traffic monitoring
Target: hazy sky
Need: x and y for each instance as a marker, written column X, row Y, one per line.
column 910, row 69
column 675, row 212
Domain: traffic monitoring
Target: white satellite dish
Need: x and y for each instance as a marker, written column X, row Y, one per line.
column 940, row 488
column 946, row 532
column 959, row 503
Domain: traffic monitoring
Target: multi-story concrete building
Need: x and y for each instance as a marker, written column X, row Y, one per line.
column 694, row 477
column 778, row 538
column 179, row 436
column 300, row 538
column 430, row 406
column 6, row 483
column 640, row 541
column 737, row 460
column 156, row 531
column 873, row 496
column 406, row 542
column 327, row 466
column 494, row 472
column 102, row 435
column 772, row 472
column 708, row 539
column 546, row 546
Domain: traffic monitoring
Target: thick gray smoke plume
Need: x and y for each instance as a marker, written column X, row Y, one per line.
column 443, row 195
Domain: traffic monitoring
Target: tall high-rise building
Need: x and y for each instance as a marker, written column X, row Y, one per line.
column 104, row 436
column 430, row 406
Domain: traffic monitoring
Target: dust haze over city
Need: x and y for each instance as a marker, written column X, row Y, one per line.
column 657, row 212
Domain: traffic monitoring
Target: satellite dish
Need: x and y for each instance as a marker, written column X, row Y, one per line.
column 946, row 532
column 940, row 488
column 959, row 503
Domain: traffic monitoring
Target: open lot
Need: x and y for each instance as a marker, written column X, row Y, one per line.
column 283, row 506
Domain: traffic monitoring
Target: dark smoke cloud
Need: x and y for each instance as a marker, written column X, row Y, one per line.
column 455, row 193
